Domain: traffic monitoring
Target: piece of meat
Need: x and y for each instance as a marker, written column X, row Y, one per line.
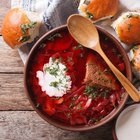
column 98, row 74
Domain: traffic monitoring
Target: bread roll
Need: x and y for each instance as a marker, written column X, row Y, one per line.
column 19, row 27
column 127, row 27
column 98, row 9
column 134, row 56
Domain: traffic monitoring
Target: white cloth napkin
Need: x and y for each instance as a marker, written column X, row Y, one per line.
column 54, row 13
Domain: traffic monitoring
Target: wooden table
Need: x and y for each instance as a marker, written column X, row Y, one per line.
column 18, row 120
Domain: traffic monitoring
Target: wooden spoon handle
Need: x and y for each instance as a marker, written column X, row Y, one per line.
column 131, row 90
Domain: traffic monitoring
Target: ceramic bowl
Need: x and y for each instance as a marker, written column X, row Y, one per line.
column 61, row 124
column 126, row 126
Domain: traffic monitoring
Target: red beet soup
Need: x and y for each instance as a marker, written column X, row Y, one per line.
column 73, row 84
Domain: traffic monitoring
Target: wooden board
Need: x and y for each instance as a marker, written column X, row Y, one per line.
column 12, row 95
column 4, row 7
column 10, row 62
column 27, row 125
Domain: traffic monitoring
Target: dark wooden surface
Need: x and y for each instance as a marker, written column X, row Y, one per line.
column 18, row 121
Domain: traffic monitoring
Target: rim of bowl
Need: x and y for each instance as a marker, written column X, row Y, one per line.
column 125, row 109
column 61, row 125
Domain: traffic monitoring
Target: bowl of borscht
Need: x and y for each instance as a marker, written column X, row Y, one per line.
column 70, row 86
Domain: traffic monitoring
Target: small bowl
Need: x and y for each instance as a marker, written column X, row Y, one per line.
column 61, row 124
column 127, row 124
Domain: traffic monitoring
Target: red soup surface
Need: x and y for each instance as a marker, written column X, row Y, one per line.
column 94, row 92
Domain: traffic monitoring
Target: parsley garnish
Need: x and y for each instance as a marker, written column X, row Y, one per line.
column 52, row 37
column 106, row 71
column 74, row 98
column 24, row 39
column 54, row 84
column 95, row 91
column 87, row 2
column 88, row 90
column 38, row 105
column 99, row 72
column 130, row 15
column 52, row 71
column 25, row 27
column 79, row 46
column 89, row 15
column 91, row 91
column 105, row 93
column 71, row 105
column 135, row 48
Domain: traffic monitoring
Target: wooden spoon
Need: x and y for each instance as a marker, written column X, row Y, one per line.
column 85, row 33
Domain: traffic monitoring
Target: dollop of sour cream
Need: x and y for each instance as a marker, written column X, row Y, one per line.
column 53, row 79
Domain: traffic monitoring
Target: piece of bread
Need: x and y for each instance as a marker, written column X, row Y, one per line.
column 98, row 9
column 98, row 74
column 127, row 27
column 134, row 56
column 20, row 27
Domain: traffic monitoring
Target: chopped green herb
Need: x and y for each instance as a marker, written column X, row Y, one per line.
column 130, row 15
column 105, row 93
column 60, row 59
column 52, row 71
column 42, row 45
column 25, row 27
column 54, row 84
column 106, row 71
column 135, row 48
column 91, row 91
column 71, row 105
column 38, row 105
column 89, row 15
column 73, row 98
column 53, row 59
column 93, row 120
column 93, row 95
column 24, row 39
column 88, row 90
column 87, row 2
column 79, row 46
column 52, row 37
column 99, row 72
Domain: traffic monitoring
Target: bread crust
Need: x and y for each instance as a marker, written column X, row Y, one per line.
column 11, row 30
column 100, row 8
column 129, row 30
column 134, row 56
